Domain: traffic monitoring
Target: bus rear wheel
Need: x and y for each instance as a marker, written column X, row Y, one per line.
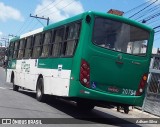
column 39, row 90
column 126, row 109
column 15, row 87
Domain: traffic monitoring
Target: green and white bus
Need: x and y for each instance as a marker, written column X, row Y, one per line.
column 89, row 58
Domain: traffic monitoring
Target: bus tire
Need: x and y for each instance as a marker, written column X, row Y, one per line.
column 15, row 87
column 118, row 108
column 85, row 106
column 40, row 90
column 126, row 109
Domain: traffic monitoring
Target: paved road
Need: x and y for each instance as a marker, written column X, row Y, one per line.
column 23, row 104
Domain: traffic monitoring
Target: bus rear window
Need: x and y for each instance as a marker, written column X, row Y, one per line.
column 120, row 37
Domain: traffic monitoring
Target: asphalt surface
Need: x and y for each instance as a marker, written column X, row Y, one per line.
column 23, row 105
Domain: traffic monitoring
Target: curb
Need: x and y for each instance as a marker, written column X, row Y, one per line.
column 139, row 109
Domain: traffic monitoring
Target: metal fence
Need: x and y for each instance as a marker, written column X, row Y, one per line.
column 152, row 99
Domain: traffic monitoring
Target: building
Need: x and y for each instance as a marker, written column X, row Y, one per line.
column 2, row 55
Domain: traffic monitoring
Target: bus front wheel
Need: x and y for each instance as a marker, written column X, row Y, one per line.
column 39, row 90
column 15, row 87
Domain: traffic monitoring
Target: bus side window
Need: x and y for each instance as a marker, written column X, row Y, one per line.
column 11, row 50
column 16, row 50
column 71, row 39
column 21, row 48
column 27, row 51
column 37, row 46
column 51, row 43
column 58, row 39
column 45, row 48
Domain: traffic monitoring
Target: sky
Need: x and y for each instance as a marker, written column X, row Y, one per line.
column 15, row 14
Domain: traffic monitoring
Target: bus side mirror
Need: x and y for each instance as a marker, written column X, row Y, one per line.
column 88, row 19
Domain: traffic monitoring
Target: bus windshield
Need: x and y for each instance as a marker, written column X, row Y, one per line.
column 121, row 37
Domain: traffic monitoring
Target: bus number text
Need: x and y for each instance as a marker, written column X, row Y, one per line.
column 129, row 92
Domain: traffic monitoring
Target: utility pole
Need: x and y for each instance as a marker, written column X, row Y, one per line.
column 41, row 18
column 6, row 40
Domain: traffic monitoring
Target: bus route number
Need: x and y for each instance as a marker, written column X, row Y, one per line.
column 129, row 92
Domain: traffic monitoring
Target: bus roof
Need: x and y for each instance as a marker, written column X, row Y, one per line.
column 79, row 17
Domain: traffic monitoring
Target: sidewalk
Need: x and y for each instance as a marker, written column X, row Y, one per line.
column 143, row 113
column 138, row 113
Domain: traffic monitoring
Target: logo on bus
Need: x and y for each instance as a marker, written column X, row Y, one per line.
column 25, row 66
column 113, row 89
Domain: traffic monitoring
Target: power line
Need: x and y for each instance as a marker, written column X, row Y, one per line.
column 143, row 9
column 61, row 8
column 150, row 13
column 35, row 25
column 22, row 26
column 150, row 17
column 27, row 26
column 44, row 8
column 40, row 22
column 152, row 22
column 157, row 31
column 156, row 27
column 147, row 12
column 137, row 7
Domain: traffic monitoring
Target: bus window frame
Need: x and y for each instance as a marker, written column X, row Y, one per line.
column 76, row 40
column 30, row 48
column 23, row 48
column 43, row 35
column 53, row 41
column 10, row 55
column 14, row 58
column 33, row 46
column 64, row 40
column 50, row 44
